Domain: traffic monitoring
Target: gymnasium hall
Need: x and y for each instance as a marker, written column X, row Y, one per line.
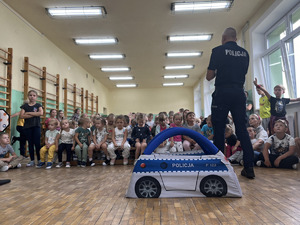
column 140, row 56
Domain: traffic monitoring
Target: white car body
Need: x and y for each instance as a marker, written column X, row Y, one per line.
column 186, row 174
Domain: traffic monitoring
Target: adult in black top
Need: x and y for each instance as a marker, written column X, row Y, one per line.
column 229, row 64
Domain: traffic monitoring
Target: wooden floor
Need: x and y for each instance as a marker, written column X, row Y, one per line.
column 95, row 195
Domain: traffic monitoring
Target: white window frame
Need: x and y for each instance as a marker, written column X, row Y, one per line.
column 281, row 44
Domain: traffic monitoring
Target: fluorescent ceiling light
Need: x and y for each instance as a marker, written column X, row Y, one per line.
column 115, row 69
column 176, row 76
column 196, row 37
column 179, row 67
column 183, row 54
column 125, row 85
column 203, row 5
column 172, row 84
column 77, row 11
column 113, row 56
column 90, row 41
column 121, row 78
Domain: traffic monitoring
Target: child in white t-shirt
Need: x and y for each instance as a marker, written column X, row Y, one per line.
column 65, row 141
column 119, row 140
column 99, row 137
column 279, row 150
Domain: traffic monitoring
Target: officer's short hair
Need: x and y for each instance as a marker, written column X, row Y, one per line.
column 230, row 32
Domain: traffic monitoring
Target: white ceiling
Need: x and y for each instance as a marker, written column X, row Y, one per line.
column 142, row 27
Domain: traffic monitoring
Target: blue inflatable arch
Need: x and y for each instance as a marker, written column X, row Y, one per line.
column 208, row 147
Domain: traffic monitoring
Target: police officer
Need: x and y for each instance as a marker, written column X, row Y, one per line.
column 229, row 64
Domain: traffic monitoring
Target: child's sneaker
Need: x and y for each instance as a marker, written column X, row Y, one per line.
column 19, row 165
column 258, row 163
column 30, row 164
column 295, row 166
column 59, row 165
column 83, row 164
column 106, row 162
column 4, row 168
column 112, row 162
column 242, row 162
column 78, row 163
column 92, row 163
column 125, row 161
column 40, row 164
column 68, row 165
column 49, row 165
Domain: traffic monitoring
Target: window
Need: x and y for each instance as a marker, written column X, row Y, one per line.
column 282, row 54
column 295, row 20
column 293, row 56
column 276, row 35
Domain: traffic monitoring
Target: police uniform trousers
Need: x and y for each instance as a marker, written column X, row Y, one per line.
column 232, row 99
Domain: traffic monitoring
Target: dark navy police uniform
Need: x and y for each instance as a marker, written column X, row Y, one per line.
column 231, row 65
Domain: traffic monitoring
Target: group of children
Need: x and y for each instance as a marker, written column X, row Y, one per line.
column 280, row 148
column 109, row 135
column 123, row 132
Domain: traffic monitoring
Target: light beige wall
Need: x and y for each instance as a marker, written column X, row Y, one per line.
column 123, row 101
column 41, row 52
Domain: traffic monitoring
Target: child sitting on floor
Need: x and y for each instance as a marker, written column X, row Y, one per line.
column 66, row 139
column 252, row 135
column 189, row 143
column 177, row 118
column 129, row 130
column 141, row 135
column 150, row 121
column 13, row 160
column 166, row 146
column 207, row 129
column 119, row 140
column 110, row 127
column 282, row 149
column 82, row 139
column 49, row 146
column 99, row 137
column 232, row 144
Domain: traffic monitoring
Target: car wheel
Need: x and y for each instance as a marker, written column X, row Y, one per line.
column 147, row 187
column 213, row 186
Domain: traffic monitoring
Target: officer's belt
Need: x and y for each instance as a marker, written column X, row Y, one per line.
column 230, row 86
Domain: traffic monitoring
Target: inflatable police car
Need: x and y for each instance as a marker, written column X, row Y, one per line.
column 204, row 173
